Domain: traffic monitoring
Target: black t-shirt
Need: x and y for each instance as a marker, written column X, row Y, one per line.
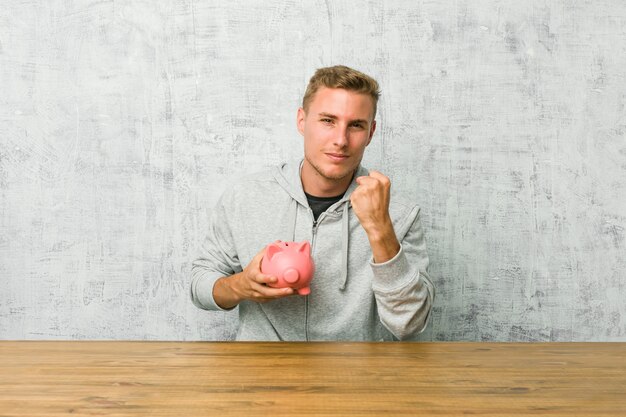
column 321, row 204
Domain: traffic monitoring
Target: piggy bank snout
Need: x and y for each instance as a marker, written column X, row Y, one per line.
column 291, row 275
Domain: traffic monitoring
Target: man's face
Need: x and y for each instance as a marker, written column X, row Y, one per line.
column 336, row 128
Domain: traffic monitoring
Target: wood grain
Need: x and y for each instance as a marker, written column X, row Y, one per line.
column 312, row 379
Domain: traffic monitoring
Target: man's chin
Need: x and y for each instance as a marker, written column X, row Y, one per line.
column 336, row 175
column 332, row 172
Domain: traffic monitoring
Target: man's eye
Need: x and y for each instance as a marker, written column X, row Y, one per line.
column 357, row 125
column 326, row 120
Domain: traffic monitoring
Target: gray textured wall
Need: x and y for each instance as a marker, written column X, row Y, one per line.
column 120, row 122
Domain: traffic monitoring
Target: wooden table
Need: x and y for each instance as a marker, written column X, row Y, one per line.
column 312, row 379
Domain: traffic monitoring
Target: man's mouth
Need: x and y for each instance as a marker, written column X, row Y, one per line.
column 337, row 156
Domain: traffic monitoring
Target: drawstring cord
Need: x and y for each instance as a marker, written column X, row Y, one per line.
column 345, row 232
column 291, row 221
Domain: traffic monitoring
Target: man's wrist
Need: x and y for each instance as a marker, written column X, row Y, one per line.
column 380, row 232
column 225, row 293
column 383, row 242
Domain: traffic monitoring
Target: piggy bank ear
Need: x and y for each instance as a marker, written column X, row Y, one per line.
column 305, row 247
column 272, row 250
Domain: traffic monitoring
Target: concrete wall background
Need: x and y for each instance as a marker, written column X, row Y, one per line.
column 120, row 122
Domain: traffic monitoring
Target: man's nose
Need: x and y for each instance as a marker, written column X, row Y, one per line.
column 341, row 137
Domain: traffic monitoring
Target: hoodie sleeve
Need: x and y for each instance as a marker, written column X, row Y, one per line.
column 218, row 258
column 403, row 290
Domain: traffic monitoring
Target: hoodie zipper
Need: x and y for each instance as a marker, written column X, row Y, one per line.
column 306, row 297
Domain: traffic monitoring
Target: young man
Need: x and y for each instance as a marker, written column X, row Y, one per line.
column 371, row 280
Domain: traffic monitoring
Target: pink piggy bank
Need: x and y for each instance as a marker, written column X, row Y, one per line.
column 291, row 264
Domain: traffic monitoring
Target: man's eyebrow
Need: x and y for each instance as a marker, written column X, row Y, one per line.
column 332, row 116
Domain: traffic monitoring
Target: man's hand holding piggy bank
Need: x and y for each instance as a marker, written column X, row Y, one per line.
column 279, row 270
column 291, row 264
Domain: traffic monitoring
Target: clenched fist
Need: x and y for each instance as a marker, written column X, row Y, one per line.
column 370, row 202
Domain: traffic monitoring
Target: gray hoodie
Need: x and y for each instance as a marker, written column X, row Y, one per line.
column 352, row 298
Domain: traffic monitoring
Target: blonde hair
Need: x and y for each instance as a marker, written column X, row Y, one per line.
column 340, row 76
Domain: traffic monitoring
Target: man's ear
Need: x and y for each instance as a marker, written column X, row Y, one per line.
column 372, row 130
column 300, row 120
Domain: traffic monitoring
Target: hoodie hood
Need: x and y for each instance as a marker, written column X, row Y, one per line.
column 288, row 176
